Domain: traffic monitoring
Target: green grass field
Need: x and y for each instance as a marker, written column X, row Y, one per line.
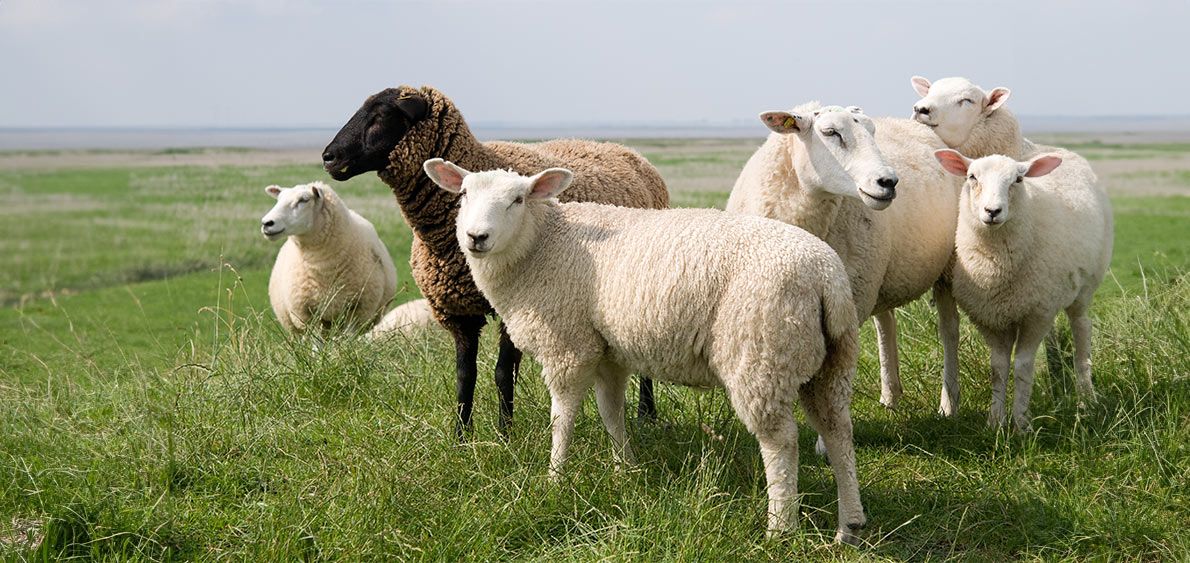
column 152, row 409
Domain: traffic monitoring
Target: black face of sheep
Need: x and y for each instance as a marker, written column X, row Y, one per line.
column 364, row 143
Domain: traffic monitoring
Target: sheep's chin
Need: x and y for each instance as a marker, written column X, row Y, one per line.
column 874, row 203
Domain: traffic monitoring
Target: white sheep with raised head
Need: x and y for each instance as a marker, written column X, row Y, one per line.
column 333, row 271
column 1033, row 239
column 693, row 296
column 834, row 172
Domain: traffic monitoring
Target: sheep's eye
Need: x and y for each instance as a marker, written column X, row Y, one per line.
column 966, row 101
column 303, row 199
column 519, row 200
column 462, row 193
column 1020, row 179
column 830, row 132
column 971, row 177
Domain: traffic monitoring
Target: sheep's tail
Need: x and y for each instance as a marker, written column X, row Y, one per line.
column 840, row 328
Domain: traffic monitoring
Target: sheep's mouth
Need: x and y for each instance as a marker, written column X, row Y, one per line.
column 476, row 251
column 918, row 118
column 271, row 235
column 338, row 169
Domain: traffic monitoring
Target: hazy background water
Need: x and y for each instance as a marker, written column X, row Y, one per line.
column 1155, row 128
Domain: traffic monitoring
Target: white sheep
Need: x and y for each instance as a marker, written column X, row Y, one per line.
column 333, row 271
column 835, row 172
column 406, row 319
column 694, row 296
column 1030, row 242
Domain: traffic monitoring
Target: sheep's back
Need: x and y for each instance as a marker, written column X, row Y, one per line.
column 684, row 295
column 607, row 173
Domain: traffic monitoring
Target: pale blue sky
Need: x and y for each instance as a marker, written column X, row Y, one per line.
column 249, row 63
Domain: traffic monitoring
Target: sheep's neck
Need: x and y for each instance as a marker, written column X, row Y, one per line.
column 429, row 210
column 325, row 239
column 996, row 133
column 813, row 210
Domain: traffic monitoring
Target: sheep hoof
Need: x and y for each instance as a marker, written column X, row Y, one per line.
column 849, row 534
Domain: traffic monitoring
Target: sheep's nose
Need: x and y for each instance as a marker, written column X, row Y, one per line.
column 921, row 110
column 992, row 213
column 887, row 182
column 268, row 223
column 477, row 238
column 328, row 156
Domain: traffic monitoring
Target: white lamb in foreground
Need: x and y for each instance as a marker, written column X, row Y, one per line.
column 693, row 296
column 333, row 271
column 1031, row 241
column 834, row 172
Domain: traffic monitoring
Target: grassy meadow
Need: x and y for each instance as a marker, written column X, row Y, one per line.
column 151, row 408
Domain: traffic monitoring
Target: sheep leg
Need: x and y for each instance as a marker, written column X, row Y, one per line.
column 778, row 448
column 508, row 363
column 567, row 389
column 466, row 334
column 830, row 415
column 890, row 371
column 1028, row 341
column 1080, row 326
column 948, row 332
column 1000, row 344
column 609, row 396
column 646, row 407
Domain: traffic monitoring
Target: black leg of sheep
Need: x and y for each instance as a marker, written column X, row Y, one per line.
column 507, row 365
column 466, row 335
column 646, row 409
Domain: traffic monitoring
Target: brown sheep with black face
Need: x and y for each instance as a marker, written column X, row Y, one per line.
column 398, row 129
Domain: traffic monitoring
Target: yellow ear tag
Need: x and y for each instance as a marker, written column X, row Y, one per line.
column 790, row 122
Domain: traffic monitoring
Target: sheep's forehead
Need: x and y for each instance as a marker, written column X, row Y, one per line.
column 839, row 119
column 496, row 183
column 300, row 190
column 955, row 86
column 995, row 168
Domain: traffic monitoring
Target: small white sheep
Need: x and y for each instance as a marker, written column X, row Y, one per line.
column 834, row 172
column 406, row 319
column 333, row 270
column 694, row 296
column 1030, row 242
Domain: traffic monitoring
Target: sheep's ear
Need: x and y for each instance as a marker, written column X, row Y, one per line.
column 550, row 183
column 784, row 122
column 996, row 98
column 448, row 175
column 317, row 191
column 921, row 85
column 953, row 161
column 273, row 190
column 1041, row 165
column 413, row 105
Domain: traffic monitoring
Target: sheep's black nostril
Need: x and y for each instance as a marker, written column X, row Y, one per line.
column 267, row 223
column 992, row 212
column 887, row 182
column 328, row 156
column 478, row 238
column 922, row 110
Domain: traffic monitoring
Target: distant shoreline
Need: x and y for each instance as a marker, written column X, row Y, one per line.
column 1107, row 129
